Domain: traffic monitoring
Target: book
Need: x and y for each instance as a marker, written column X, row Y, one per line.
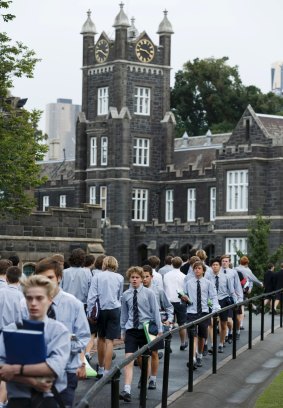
column 24, row 346
column 149, row 337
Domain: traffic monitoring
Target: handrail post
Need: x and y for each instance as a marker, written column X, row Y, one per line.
column 234, row 348
column 144, row 371
column 166, row 371
column 272, row 313
column 214, row 349
column 250, row 325
column 191, row 359
column 262, row 320
column 115, row 385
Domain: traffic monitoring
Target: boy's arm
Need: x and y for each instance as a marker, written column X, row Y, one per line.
column 124, row 316
column 155, row 310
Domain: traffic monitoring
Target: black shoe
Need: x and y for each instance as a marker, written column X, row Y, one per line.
column 125, row 396
column 220, row 349
column 199, row 362
column 160, row 355
column 226, row 339
column 242, row 328
column 98, row 376
column 152, row 385
column 237, row 336
column 205, row 350
column 230, row 338
column 210, row 351
column 183, row 347
column 194, row 365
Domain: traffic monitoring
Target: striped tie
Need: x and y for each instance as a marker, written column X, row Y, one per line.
column 199, row 309
column 136, row 321
column 51, row 312
column 217, row 283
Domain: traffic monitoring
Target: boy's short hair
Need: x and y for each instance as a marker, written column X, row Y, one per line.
column 147, row 268
column 184, row 257
column 244, row 260
column 168, row 259
column 135, row 269
column 154, row 261
column 193, row 259
column 270, row 265
column 199, row 263
column 215, row 260
column 46, row 264
column 89, row 260
column 58, row 257
column 4, row 265
column 13, row 274
column 77, row 257
column 99, row 261
column 110, row 263
column 201, row 254
column 39, row 281
column 177, row 262
column 225, row 256
column 14, row 259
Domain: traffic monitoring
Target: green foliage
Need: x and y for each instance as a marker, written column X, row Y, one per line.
column 20, row 140
column 209, row 94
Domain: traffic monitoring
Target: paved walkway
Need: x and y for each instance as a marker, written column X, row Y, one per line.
column 238, row 383
column 178, row 375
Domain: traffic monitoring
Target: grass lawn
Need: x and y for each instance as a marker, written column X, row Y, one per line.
column 272, row 397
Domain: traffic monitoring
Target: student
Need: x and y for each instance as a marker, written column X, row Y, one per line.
column 224, row 292
column 108, row 287
column 76, row 279
column 139, row 305
column 154, row 262
column 38, row 291
column 166, row 309
column 69, row 311
column 199, row 291
column 4, row 265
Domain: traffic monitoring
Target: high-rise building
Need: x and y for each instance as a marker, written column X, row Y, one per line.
column 61, row 129
column 277, row 78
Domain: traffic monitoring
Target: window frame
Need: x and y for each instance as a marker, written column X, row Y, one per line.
column 63, row 201
column 92, row 195
column 104, row 151
column 233, row 244
column 141, row 152
column 93, row 151
column 45, row 202
column 139, row 204
column 142, row 100
column 169, row 205
column 103, row 201
column 237, row 193
column 102, row 100
column 191, row 204
column 212, row 210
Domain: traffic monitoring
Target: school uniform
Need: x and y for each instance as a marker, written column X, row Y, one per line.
column 57, row 340
column 10, row 305
column 3, row 283
column 148, row 310
column 236, row 284
column 224, row 290
column 76, row 280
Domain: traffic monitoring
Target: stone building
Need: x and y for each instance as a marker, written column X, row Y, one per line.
column 159, row 195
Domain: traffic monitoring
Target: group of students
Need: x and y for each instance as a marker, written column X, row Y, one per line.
column 64, row 300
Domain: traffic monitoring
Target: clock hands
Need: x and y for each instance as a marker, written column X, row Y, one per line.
column 146, row 51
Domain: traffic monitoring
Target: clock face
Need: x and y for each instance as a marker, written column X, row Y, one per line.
column 101, row 50
column 145, row 50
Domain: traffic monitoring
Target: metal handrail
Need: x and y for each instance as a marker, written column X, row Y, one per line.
column 114, row 374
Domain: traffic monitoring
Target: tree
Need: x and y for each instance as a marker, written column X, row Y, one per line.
column 209, row 94
column 21, row 143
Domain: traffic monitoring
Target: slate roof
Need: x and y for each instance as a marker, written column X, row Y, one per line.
column 55, row 169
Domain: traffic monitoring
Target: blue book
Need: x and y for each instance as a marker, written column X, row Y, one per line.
column 24, row 346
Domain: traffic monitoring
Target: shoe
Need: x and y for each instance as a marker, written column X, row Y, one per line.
column 194, row 365
column 242, row 328
column 125, row 396
column 226, row 339
column 205, row 350
column 171, row 350
column 99, row 375
column 199, row 362
column 113, row 355
column 88, row 357
column 220, row 349
column 152, row 385
column 230, row 338
column 210, row 350
column 237, row 336
column 160, row 355
column 183, row 347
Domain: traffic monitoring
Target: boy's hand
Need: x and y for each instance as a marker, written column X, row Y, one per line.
column 8, row 371
column 42, row 384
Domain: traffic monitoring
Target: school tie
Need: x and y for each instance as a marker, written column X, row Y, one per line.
column 51, row 312
column 217, row 283
column 135, row 310
column 225, row 271
column 199, row 309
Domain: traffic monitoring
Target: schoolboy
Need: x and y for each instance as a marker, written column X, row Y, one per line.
column 139, row 305
column 38, row 291
column 199, row 291
column 166, row 309
column 69, row 311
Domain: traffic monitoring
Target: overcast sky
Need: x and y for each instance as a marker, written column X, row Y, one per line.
column 249, row 32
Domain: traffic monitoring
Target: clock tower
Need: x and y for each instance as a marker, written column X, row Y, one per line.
column 125, row 133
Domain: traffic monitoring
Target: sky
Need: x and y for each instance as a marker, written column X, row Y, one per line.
column 249, row 32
